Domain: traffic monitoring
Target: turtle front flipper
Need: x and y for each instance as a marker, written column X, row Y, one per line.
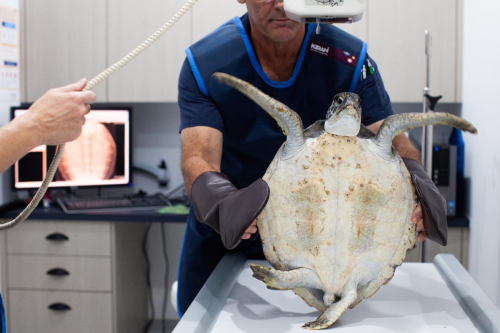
column 287, row 119
column 397, row 124
column 365, row 132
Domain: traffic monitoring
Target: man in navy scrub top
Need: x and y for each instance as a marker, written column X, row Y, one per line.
column 228, row 141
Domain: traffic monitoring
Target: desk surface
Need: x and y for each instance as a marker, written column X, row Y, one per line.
column 55, row 213
column 438, row 297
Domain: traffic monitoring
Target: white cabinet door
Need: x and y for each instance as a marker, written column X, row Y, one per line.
column 397, row 43
column 60, row 238
column 208, row 15
column 153, row 75
column 65, row 41
column 37, row 311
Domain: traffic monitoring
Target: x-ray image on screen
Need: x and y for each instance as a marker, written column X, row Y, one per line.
column 100, row 156
column 91, row 157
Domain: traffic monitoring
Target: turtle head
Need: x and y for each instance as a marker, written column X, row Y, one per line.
column 344, row 116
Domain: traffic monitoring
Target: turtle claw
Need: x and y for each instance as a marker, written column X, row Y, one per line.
column 322, row 322
column 266, row 275
column 334, row 311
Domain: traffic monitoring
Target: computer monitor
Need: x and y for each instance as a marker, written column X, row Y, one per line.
column 101, row 156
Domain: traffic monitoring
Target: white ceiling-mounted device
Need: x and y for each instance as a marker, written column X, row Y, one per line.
column 324, row 11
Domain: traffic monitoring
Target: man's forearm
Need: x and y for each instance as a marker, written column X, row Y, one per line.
column 16, row 140
column 405, row 148
column 201, row 152
column 192, row 167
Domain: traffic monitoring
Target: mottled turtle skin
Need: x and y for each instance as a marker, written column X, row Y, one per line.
column 338, row 220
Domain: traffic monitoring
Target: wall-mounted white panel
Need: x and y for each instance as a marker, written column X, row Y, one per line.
column 65, row 41
column 211, row 14
column 460, row 46
column 358, row 29
column 397, row 43
column 153, row 75
column 22, row 43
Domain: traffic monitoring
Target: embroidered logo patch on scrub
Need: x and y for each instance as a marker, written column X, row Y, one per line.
column 333, row 52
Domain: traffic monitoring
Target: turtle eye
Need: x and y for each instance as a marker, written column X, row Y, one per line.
column 338, row 100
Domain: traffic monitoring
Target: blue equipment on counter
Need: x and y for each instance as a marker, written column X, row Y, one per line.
column 444, row 172
column 3, row 325
column 457, row 140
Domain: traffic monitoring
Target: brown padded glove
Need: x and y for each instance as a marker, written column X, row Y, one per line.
column 227, row 210
column 433, row 203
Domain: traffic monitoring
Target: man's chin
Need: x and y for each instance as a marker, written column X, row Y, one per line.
column 283, row 33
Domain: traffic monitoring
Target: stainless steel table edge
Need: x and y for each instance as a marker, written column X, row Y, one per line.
column 483, row 313
column 202, row 315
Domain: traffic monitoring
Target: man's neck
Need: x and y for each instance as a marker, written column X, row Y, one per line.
column 277, row 59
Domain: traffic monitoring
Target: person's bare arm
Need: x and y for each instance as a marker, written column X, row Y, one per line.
column 201, row 152
column 407, row 150
column 55, row 118
column 16, row 139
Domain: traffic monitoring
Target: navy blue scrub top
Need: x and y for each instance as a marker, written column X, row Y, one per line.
column 3, row 325
column 196, row 109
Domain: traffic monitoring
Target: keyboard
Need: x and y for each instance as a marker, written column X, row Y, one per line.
column 75, row 205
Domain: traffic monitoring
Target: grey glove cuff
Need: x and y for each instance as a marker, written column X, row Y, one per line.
column 227, row 210
column 433, row 203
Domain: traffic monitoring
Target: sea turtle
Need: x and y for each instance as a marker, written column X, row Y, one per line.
column 338, row 220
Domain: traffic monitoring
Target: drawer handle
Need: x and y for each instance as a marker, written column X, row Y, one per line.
column 59, row 307
column 57, row 237
column 58, row 272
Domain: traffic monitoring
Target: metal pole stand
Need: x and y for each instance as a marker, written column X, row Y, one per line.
column 429, row 104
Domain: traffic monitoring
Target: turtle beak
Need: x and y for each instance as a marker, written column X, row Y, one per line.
column 352, row 105
column 351, row 111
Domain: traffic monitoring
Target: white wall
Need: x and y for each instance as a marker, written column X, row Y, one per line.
column 481, row 106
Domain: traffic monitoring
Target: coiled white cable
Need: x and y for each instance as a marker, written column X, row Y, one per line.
column 91, row 84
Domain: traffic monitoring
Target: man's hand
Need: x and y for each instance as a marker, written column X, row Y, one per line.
column 251, row 230
column 417, row 218
column 58, row 116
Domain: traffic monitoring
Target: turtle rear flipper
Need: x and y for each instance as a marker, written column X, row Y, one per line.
column 312, row 297
column 334, row 311
column 281, row 280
